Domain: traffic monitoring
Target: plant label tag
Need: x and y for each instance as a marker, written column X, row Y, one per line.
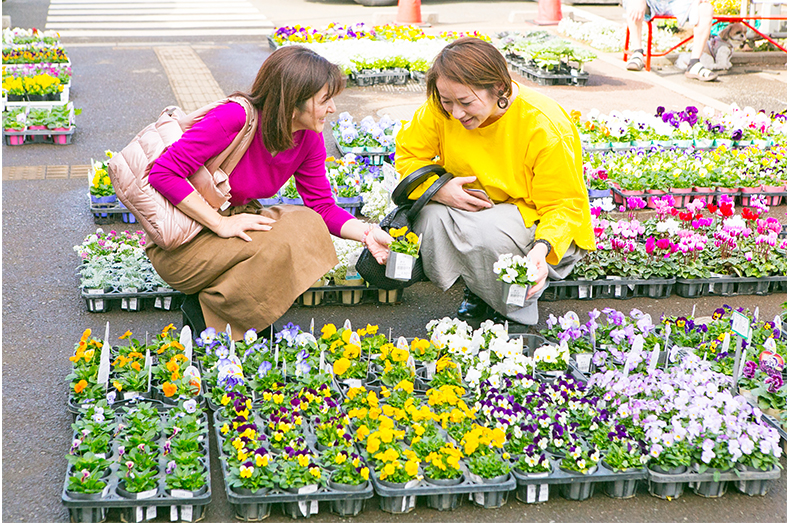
column 312, row 326
column 179, row 493
column 543, row 495
column 430, row 370
column 304, row 508
column 107, row 488
column 475, row 478
column 402, row 344
column 193, row 374
column 583, row 361
column 347, row 324
column 130, row 395
column 654, row 357
column 276, row 355
column 308, row 489
column 516, row 295
column 185, row 339
column 411, row 484
column 725, row 345
column 777, row 321
column 583, row 292
column 351, row 265
column 313, row 507
column 147, row 494
column 322, row 363
column 403, row 266
column 173, row 512
column 741, row 324
column 531, row 491
column 771, row 358
column 354, row 339
column 353, row 383
column 149, row 365
column 480, row 498
column 139, row 513
column 104, row 360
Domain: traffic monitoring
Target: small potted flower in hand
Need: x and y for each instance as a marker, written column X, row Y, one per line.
column 404, row 251
column 518, row 273
column 350, row 475
column 579, row 461
column 489, row 467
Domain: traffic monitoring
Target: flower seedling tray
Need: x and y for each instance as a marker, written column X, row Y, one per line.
column 544, row 77
column 377, row 154
column 422, row 488
column 84, row 510
column 48, row 104
column 104, row 213
column 42, row 136
column 307, row 502
column 578, row 290
column 702, row 477
column 557, row 476
column 131, row 301
column 360, row 294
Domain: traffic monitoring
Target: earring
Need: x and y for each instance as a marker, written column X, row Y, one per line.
column 502, row 102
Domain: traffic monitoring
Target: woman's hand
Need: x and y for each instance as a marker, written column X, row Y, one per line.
column 538, row 256
column 238, row 224
column 454, row 195
column 378, row 243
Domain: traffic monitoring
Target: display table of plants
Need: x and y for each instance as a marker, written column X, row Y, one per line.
column 545, row 59
column 104, row 203
column 321, row 419
column 701, row 250
column 28, row 125
column 36, row 70
column 370, row 55
column 131, row 452
column 688, row 128
column 115, row 272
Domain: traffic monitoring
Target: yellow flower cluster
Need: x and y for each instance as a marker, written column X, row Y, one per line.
column 726, row 7
column 87, row 348
column 446, row 457
column 482, row 438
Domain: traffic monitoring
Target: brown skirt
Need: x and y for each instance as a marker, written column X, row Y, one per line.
column 250, row 284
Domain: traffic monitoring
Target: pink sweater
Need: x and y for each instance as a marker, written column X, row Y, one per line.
column 257, row 174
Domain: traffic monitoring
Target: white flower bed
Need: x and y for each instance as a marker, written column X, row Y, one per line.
column 610, row 36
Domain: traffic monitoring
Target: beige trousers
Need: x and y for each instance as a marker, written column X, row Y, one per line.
column 250, row 284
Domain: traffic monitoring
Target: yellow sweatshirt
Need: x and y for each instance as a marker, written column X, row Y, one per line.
column 531, row 157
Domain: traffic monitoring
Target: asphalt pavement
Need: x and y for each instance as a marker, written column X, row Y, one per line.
column 121, row 86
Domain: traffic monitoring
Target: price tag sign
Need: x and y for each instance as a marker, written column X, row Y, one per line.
column 516, row 295
column 583, row 361
column 741, row 324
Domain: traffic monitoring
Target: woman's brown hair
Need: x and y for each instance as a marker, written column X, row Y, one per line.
column 473, row 63
column 288, row 78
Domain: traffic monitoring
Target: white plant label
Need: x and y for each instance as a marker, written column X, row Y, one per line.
column 321, row 364
column 312, row 326
column 147, row 494
column 308, row 489
column 517, row 295
column 654, row 357
column 193, row 373
column 583, row 292
column 537, row 493
column 104, row 360
column 347, row 324
column 185, row 339
column 480, row 498
column 351, row 265
column 150, row 513
column 741, row 324
column 353, row 383
column 354, row 339
column 149, row 365
column 402, row 344
column 403, row 266
column 411, row 484
column 130, row 395
column 475, row 478
column 584, row 360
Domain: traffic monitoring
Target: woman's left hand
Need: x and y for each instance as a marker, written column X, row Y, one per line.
column 378, row 242
column 538, row 256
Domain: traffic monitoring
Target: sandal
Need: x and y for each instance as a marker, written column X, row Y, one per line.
column 636, row 62
column 701, row 73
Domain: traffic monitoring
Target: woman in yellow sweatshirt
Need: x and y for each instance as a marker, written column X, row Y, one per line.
column 518, row 187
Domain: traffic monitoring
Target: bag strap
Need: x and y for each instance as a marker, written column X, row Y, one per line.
column 400, row 196
column 423, row 200
column 230, row 157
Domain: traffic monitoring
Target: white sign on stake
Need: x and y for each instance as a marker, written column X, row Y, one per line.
column 654, row 357
column 741, row 324
column 104, row 359
column 186, row 341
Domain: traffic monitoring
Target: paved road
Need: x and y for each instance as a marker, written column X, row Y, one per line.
column 121, row 86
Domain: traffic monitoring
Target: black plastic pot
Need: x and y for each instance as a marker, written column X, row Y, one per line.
column 494, row 499
column 348, row 507
column 87, row 514
column 667, row 490
column 251, row 511
column 444, row 502
column 620, row 489
column 577, row 491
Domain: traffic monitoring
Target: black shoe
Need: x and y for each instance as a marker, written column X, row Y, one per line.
column 192, row 314
column 473, row 307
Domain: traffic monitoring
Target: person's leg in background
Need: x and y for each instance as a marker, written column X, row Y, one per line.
column 702, row 18
column 635, row 17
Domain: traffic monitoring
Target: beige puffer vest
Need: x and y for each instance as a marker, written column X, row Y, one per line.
column 164, row 224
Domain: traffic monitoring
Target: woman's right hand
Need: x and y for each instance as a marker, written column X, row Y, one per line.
column 237, row 224
column 454, row 195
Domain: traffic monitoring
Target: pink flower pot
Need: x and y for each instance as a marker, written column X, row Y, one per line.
column 627, row 194
column 61, row 139
column 774, row 200
column 747, row 200
column 658, row 193
column 680, row 196
column 704, row 193
column 18, row 139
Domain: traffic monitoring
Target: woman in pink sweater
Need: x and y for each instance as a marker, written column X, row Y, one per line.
column 249, row 264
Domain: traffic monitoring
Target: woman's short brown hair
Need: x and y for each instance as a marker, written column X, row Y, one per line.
column 471, row 62
column 288, row 78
